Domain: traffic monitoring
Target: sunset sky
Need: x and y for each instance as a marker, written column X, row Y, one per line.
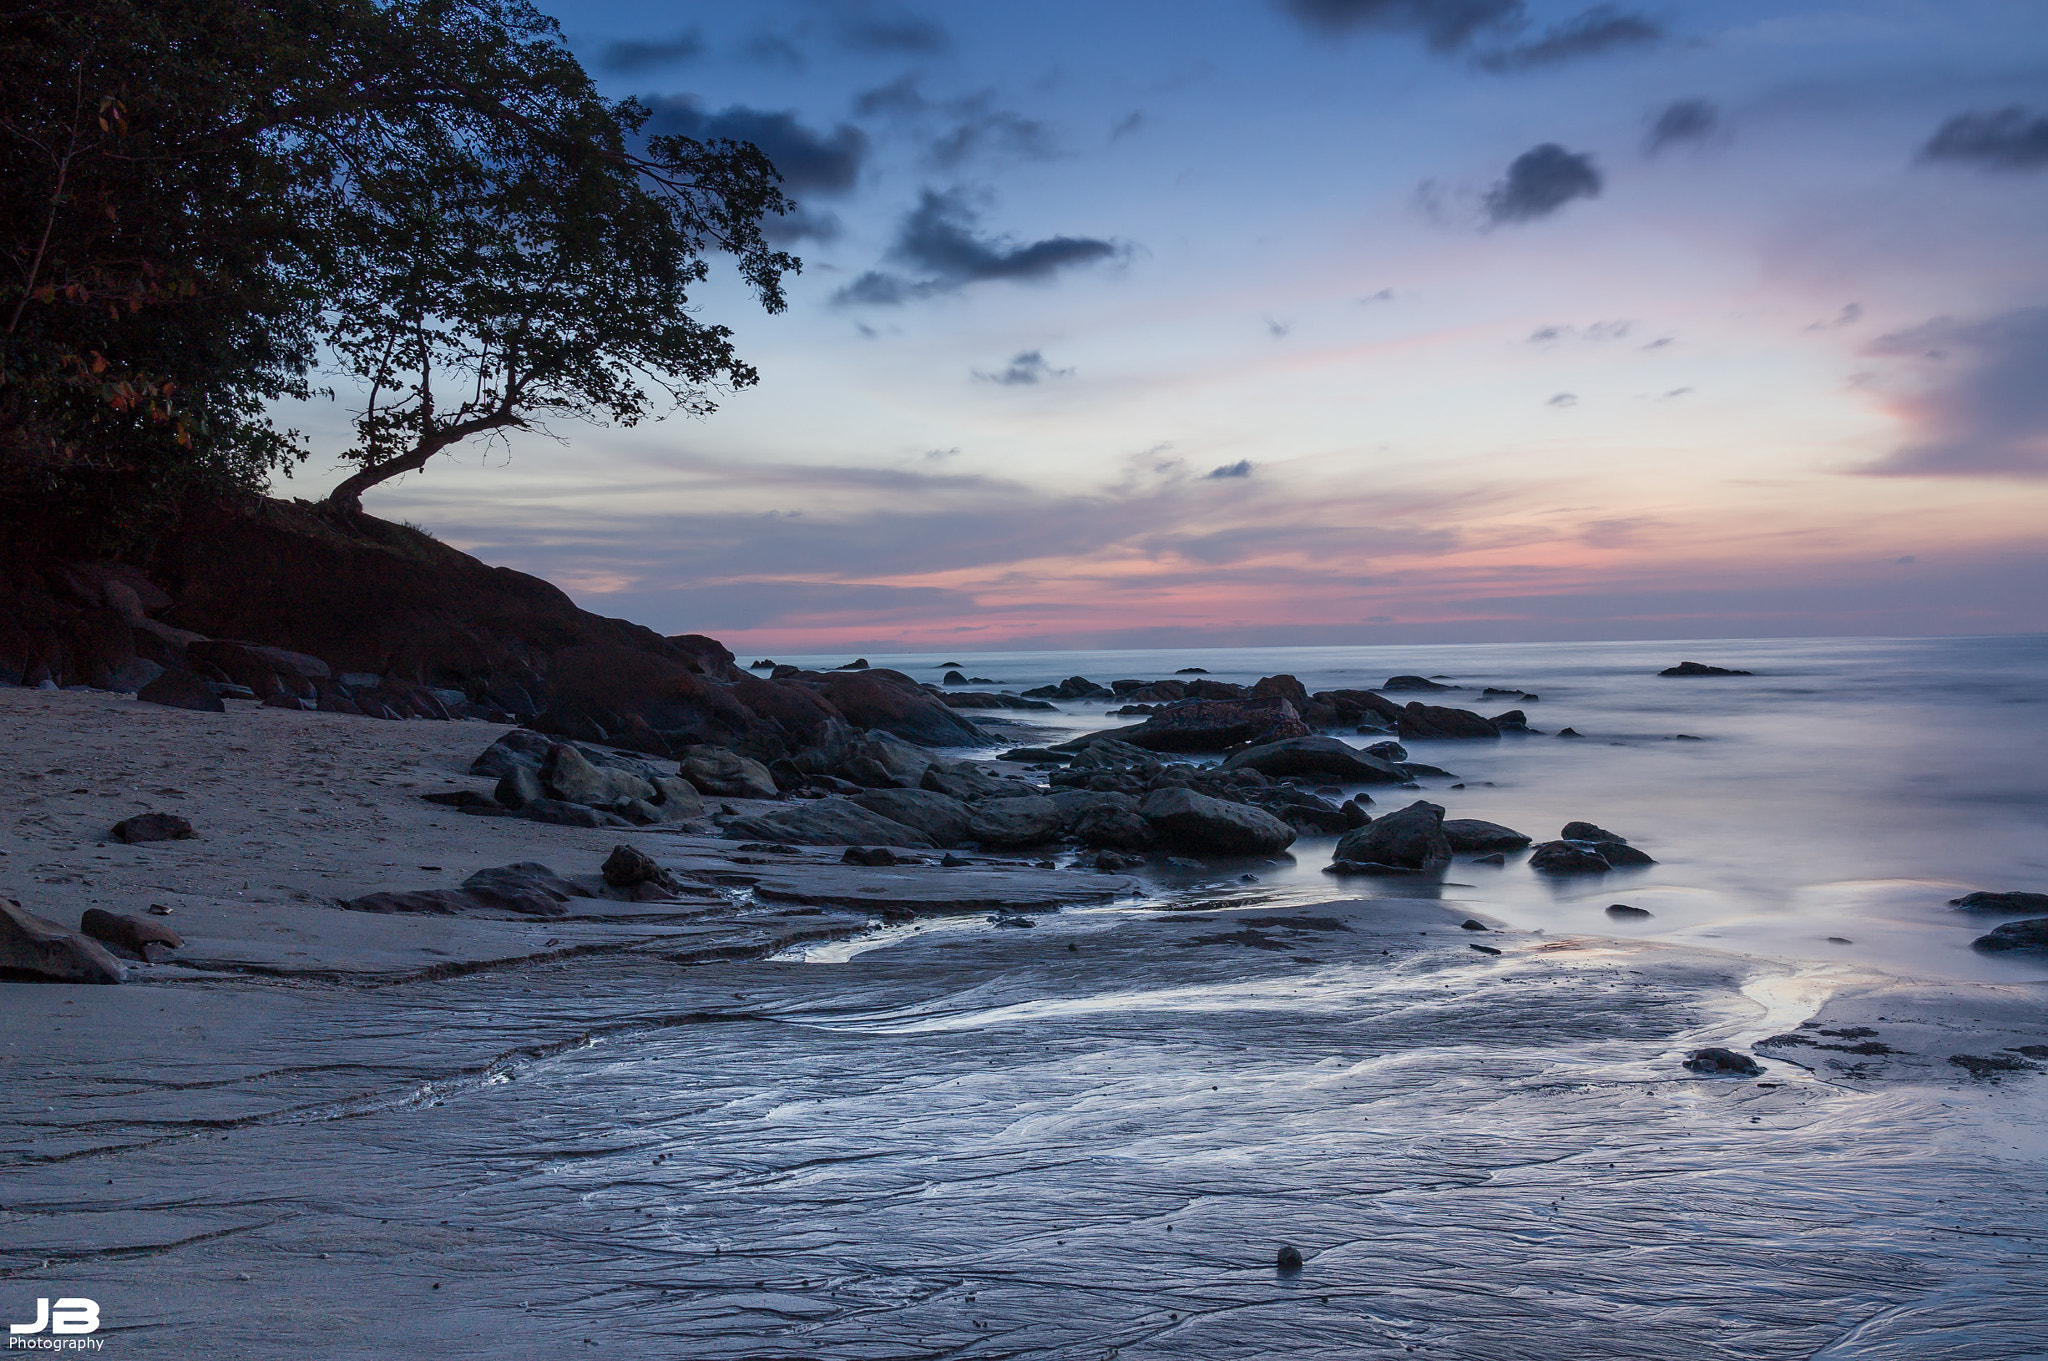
column 1138, row 323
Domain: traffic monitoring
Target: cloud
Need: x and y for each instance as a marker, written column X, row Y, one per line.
column 1462, row 26
column 1598, row 332
column 1026, row 367
column 1598, row 30
column 1851, row 313
column 1384, row 295
column 1564, row 399
column 810, row 161
column 626, row 57
column 1683, row 120
column 958, row 129
column 801, row 224
column 1279, row 330
column 1540, row 181
column 1127, row 125
column 1979, row 407
column 900, row 33
column 1241, row 468
column 2013, row 138
column 940, row 238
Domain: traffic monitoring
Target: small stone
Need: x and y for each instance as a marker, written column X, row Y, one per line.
column 151, row 827
column 1720, row 1062
column 1288, row 1259
column 1624, row 910
column 1485, row 949
column 1473, row 924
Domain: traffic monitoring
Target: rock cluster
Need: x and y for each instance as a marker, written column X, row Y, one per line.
column 1582, row 848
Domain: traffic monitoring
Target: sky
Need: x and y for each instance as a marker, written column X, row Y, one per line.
column 1242, row 322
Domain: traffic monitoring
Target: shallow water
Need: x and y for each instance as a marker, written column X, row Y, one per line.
column 1848, row 789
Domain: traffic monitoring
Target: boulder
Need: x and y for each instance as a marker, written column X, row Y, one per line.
column 727, row 774
column 2031, row 934
column 1409, row 838
column 1029, row 820
column 940, row 817
column 1470, row 836
column 972, row 782
column 2001, row 902
column 1586, row 831
column 1184, row 820
column 40, row 948
column 895, row 703
column 520, row 887
column 1414, row 683
column 882, row 760
column 1568, row 857
column 517, row 788
column 825, row 822
column 1701, row 669
column 566, row 774
column 562, row 813
column 1111, row 827
column 1214, row 725
column 1350, row 706
column 629, row 867
column 1621, row 855
column 1316, row 756
column 132, row 936
column 1420, row 720
column 181, row 690
column 1718, row 1062
column 983, row 699
column 679, row 801
column 265, row 670
column 151, row 827
column 1283, row 687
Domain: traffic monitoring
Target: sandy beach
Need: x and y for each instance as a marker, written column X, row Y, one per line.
column 764, row 1120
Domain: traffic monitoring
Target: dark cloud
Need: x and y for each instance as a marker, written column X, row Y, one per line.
column 803, row 224
column 642, row 56
column 940, row 239
column 812, row 162
column 1241, row 468
column 1598, row 332
column 1496, row 26
column 1683, row 120
column 1026, row 367
column 1127, row 125
column 2012, row 138
column 1540, row 181
column 1598, row 30
column 956, row 130
column 899, row 33
column 1564, row 399
column 1980, row 407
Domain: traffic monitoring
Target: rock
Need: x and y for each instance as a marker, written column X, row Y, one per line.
column 882, row 760
column 941, row 817
column 519, row 749
column 978, row 699
column 872, row 856
column 857, row 664
column 1214, row 725
column 1568, row 857
column 1429, row 720
column 971, row 782
column 2001, row 902
column 1392, row 752
column 1720, row 1062
column 1496, row 859
column 264, row 670
column 2031, row 934
column 1701, row 669
column 1073, row 687
column 1037, row 756
column 566, row 774
column 679, row 801
column 1112, row 828
column 181, row 690
column 825, row 822
column 727, row 774
column 1316, row 756
column 1621, row 855
column 564, row 814
column 460, row 798
column 1471, row 836
column 628, row 866
column 1288, row 1259
column 1413, row 683
column 1514, row 720
column 1192, row 671
column 1569, row 732
column 1586, row 831
column 1026, row 821
column 1624, row 910
column 1283, row 687
column 1990, row 1065
column 151, row 827
column 1473, row 924
column 42, row 949
column 517, row 788
column 1184, row 820
column 1411, row 838
column 1354, row 812
column 895, row 703
column 136, row 937
column 953, row 678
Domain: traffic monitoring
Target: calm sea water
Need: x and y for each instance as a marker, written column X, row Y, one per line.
column 1839, row 797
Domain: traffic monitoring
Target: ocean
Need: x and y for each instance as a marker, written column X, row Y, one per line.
column 1837, row 800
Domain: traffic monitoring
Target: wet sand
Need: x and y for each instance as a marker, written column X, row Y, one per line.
column 741, row 1128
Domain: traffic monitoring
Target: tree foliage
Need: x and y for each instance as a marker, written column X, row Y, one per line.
column 203, row 200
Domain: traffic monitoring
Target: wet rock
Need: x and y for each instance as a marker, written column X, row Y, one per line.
column 1354, row 812
column 518, row 787
column 629, row 867
column 953, row 678
column 679, row 801
column 896, row 703
column 1036, row 756
column 881, row 760
column 1621, row 855
column 1701, row 669
column 561, row 813
column 1288, row 1259
column 1025, row 821
column 460, row 798
column 1316, row 756
column 1419, row 720
column 2031, row 934
column 972, row 782
column 1011, row 921
column 1411, row 838
column 1284, row 687
column 1472, row 836
column 940, row 817
column 1110, row 862
column 1485, row 949
column 527, row 886
column 1073, row 687
column 1414, row 683
column 132, row 936
column 1113, row 828
column 151, row 827
column 1184, row 820
column 1723, row 1062
column 1569, row 732
column 1568, row 857
column 1624, row 910
column 1495, row 859
column 825, row 822
column 566, row 774
column 1215, row 725
column 1586, row 831
column 985, row 699
column 1473, row 924
column 181, row 690
column 2001, row 902
column 519, row 749
column 1991, row 1065
column 727, row 774
column 872, row 856
column 42, row 949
